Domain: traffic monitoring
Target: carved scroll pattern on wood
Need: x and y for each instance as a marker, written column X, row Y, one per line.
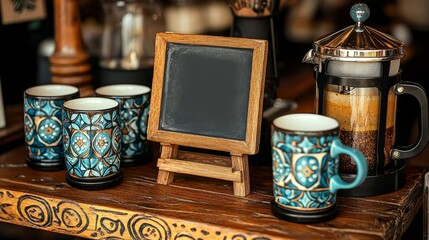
column 69, row 217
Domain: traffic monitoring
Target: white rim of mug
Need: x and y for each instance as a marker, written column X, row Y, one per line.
column 122, row 90
column 90, row 104
column 306, row 123
column 51, row 91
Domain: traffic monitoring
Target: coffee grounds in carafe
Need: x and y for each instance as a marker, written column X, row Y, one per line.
column 364, row 141
column 357, row 114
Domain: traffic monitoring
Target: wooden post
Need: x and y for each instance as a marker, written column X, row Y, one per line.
column 168, row 151
column 69, row 63
column 241, row 163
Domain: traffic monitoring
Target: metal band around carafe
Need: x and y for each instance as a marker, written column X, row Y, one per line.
column 383, row 83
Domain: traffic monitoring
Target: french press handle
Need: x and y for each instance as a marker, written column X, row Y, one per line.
column 420, row 94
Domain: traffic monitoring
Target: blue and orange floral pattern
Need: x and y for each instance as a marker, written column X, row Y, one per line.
column 43, row 130
column 299, row 176
column 134, row 116
column 92, row 143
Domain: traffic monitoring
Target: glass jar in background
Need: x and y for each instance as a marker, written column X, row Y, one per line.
column 128, row 40
column 130, row 27
column 153, row 23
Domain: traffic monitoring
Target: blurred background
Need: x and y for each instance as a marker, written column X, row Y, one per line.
column 26, row 47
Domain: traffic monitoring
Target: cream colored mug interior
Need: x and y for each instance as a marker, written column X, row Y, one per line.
column 305, row 122
column 91, row 104
column 51, row 90
column 122, row 90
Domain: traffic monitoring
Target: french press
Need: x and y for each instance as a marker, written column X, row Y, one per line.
column 358, row 80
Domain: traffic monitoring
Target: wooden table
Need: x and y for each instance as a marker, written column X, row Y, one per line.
column 141, row 209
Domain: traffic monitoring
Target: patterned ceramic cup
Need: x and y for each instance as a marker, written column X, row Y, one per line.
column 134, row 104
column 92, row 142
column 305, row 150
column 42, row 124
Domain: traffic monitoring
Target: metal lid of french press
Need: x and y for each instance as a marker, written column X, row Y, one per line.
column 356, row 42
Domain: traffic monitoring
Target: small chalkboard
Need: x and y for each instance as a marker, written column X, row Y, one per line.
column 207, row 92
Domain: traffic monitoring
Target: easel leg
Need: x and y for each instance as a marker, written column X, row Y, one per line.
column 168, row 151
column 241, row 163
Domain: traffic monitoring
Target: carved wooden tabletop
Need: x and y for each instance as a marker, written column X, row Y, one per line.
column 190, row 208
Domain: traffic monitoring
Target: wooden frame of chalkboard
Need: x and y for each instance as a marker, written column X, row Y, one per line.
column 207, row 92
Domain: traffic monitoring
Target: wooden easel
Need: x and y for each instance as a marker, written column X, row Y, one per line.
column 171, row 160
column 234, row 169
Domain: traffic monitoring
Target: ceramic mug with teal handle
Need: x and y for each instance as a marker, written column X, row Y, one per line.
column 305, row 150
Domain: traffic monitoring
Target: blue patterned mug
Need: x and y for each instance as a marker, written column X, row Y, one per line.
column 92, row 142
column 305, row 150
column 133, row 100
column 42, row 124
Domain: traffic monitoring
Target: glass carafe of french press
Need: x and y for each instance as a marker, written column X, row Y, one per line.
column 358, row 80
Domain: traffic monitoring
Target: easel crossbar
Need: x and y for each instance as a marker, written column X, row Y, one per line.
column 199, row 169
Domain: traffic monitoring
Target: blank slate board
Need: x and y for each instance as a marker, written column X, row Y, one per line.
column 207, row 92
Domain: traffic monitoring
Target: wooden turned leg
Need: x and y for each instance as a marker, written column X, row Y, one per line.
column 168, row 151
column 241, row 163
column 70, row 60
